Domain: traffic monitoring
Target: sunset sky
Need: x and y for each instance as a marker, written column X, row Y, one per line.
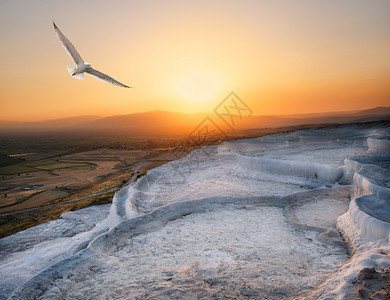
column 280, row 57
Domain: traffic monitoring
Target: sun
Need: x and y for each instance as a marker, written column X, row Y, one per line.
column 198, row 84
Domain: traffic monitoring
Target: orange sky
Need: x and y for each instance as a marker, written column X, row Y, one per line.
column 280, row 57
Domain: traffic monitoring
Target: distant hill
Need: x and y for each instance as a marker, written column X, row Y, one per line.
column 172, row 123
column 374, row 114
column 67, row 122
column 375, row 111
column 153, row 122
column 56, row 123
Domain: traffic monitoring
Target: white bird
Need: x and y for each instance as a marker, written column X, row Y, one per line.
column 81, row 66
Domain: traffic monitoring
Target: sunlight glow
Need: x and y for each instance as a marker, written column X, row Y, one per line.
column 198, row 84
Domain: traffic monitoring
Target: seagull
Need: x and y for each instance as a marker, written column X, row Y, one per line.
column 81, row 66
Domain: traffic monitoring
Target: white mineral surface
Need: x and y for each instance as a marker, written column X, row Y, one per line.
column 258, row 218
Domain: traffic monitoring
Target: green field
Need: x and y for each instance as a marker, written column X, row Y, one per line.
column 34, row 167
column 74, row 166
column 17, row 170
column 41, row 163
column 6, row 160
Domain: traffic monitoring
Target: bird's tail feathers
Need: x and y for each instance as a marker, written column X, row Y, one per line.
column 70, row 69
column 79, row 76
column 71, row 72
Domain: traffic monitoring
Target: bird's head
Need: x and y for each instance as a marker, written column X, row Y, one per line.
column 88, row 65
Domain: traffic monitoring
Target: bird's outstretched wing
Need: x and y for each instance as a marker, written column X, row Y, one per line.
column 74, row 55
column 104, row 77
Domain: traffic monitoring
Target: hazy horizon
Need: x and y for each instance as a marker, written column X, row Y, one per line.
column 195, row 113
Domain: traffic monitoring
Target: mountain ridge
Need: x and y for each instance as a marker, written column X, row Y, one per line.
column 158, row 121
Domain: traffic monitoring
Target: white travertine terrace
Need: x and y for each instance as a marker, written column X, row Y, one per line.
column 249, row 218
